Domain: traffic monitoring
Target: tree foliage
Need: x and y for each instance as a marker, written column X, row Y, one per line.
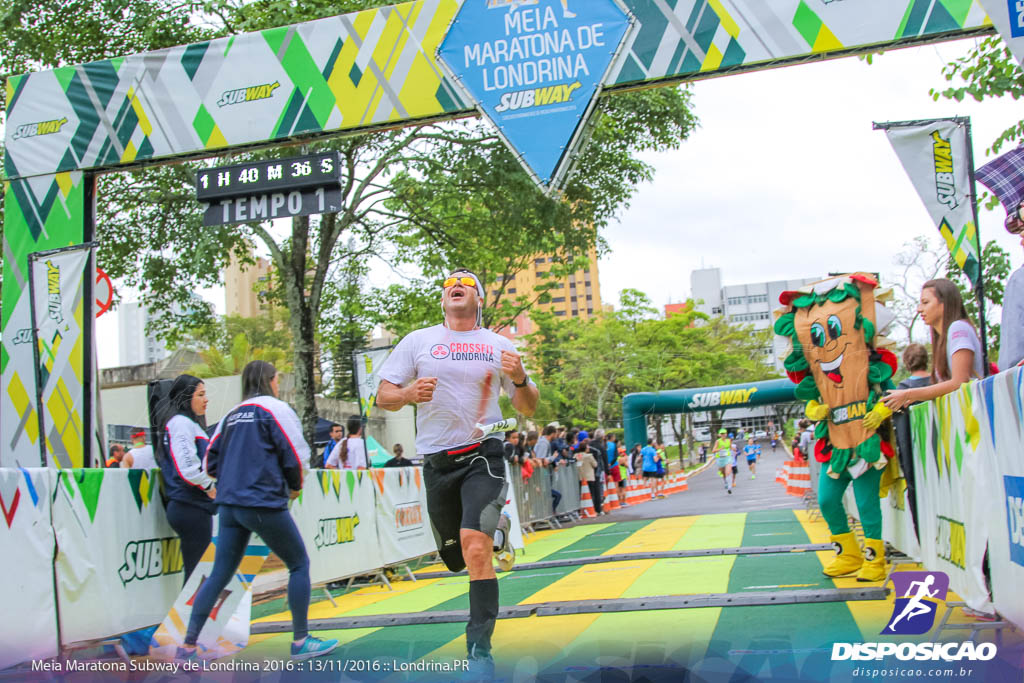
column 587, row 367
column 433, row 196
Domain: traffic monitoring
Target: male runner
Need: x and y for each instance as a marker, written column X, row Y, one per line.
column 753, row 452
column 723, row 456
column 454, row 372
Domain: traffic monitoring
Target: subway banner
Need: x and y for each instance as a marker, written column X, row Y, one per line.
column 227, row 629
column 119, row 563
column 367, row 365
column 60, row 314
column 936, row 155
column 953, row 470
column 368, row 70
column 41, row 213
column 999, row 406
column 336, row 517
column 403, row 528
column 29, row 629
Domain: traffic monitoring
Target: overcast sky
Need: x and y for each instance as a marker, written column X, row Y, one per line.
column 785, row 178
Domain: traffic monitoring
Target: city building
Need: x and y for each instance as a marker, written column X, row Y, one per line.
column 677, row 309
column 243, row 285
column 135, row 346
column 747, row 304
column 575, row 296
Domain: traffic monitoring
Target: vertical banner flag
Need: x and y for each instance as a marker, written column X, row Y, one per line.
column 367, row 368
column 936, row 156
column 1008, row 18
column 61, row 319
column 534, row 68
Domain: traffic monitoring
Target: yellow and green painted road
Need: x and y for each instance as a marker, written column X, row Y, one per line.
column 784, row 641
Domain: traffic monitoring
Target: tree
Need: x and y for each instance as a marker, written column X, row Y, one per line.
column 589, row 366
column 987, row 70
column 924, row 260
column 435, row 195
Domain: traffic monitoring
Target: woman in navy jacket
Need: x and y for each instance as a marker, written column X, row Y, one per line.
column 256, row 454
column 189, row 489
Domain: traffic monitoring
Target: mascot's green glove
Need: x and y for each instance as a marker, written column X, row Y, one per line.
column 816, row 411
column 877, row 415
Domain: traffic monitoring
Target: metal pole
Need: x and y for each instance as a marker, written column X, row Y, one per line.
column 979, row 287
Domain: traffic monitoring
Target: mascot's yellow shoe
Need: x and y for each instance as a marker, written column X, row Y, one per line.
column 848, row 558
column 874, row 565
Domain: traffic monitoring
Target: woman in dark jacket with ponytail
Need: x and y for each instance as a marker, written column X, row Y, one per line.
column 257, row 454
column 189, row 489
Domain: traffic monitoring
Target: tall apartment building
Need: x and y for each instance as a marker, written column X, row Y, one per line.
column 575, row 296
column 744, row 304
column 135, row 347
column 242, row 285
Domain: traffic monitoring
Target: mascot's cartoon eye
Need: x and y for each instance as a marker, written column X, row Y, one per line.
column 817, row 334
column 835, row 328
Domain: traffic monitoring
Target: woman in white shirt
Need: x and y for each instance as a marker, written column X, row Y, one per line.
column 351, row 454
column 956, row 349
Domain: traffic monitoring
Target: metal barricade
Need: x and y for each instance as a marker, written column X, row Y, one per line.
column 533, row 495
column 567, row 482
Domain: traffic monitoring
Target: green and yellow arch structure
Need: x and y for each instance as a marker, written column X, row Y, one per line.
column 340, row 75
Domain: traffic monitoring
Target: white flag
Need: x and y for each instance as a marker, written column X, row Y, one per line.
column 935, row 156
column 60, row 314
column 367, row 369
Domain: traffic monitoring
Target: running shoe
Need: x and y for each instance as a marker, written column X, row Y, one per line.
column 753, row 476
column 504, row 555
column 312, row 647
column 480, row 665
column 186, row 654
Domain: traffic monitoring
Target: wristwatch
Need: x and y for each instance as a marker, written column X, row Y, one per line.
column 526, row 380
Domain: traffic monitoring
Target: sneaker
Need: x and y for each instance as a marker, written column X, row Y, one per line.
column 566, row 14
column 312, row 647
column 480, row 665
column 730, row 491
column 753, row 476
column 503, row 554
column 186, row 654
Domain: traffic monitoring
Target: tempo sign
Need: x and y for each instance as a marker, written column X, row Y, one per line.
column 264, row 190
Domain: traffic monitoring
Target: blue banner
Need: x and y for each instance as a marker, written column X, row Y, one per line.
column 534, row 68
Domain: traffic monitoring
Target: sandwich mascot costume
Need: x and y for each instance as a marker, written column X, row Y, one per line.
column 841, row 375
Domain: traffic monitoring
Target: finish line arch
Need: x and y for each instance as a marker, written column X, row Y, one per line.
column 348, row 74
column 636, row 407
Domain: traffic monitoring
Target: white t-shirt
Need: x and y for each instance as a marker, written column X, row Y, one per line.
column 356, row 455
column 962, row 336
column 142, row 458
column 461, row 361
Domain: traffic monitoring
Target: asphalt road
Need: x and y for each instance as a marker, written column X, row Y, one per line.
column 706, row 493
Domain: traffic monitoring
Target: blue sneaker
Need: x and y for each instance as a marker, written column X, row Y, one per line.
column 480, row 665
column 186, row 654
column 312, row 647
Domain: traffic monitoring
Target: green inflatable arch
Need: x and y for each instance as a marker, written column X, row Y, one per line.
column 636, row 407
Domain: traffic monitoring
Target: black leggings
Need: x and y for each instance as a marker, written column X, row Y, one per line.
column 278, row 531
column 194, row 526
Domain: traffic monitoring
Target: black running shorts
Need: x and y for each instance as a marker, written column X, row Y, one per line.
column 466, row 489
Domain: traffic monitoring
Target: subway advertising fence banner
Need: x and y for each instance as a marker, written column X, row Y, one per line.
column 367, row 365
column 999, row 406
column 403, row 528
column 936, row 156
column 29, row 628
column 226, row 631
column 535, row 68
column 62, row 319
column 119, row 563
column 952, row 470
column 336, row 517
